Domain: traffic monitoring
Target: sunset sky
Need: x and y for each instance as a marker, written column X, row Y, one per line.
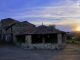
column 65, row 14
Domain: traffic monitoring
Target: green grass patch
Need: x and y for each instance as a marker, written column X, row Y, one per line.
column 73, row 42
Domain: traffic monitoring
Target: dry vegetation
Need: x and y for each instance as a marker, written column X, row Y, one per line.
column 74, row 39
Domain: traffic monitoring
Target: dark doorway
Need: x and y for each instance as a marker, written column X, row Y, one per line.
column 36, row 38
column 51, row 38
column 21, row 39
column 63, row 38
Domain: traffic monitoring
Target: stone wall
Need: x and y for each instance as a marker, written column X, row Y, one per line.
column 16, row 29
column 59, row 38
column 43, row 46
column 29, row 45
column 0, row 30
column 21, row 27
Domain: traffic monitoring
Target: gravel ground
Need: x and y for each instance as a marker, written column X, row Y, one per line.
column 10, row 52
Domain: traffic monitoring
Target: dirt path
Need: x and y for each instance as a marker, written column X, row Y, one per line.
column 70, row 52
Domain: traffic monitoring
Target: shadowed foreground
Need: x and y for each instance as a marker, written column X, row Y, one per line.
column 70, row 52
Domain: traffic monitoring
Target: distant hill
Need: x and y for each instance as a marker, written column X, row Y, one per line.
column 73, row 33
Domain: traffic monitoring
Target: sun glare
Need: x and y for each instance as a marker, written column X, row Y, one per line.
column 78, row 28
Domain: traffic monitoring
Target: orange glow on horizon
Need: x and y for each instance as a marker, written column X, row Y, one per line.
column 78, row 28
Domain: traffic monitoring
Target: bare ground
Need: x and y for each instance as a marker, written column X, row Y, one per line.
column 10, row 52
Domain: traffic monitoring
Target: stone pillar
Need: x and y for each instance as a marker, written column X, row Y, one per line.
column 59, row 38
column 28, row 39
column 6, row 36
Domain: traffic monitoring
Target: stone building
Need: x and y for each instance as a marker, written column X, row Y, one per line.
column 11, row 27
column 5, row 23
column 42, row 37
column 0, row 30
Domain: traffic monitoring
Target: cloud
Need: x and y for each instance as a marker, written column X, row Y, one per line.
column 50, row 11
column 59, row 12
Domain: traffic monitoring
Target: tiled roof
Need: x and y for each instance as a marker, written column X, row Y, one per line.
column 41, row 30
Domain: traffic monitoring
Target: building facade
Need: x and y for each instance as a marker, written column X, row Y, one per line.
column 11, row 27
column 42, row 37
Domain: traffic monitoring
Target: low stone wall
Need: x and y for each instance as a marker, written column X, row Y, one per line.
column 42, row 46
